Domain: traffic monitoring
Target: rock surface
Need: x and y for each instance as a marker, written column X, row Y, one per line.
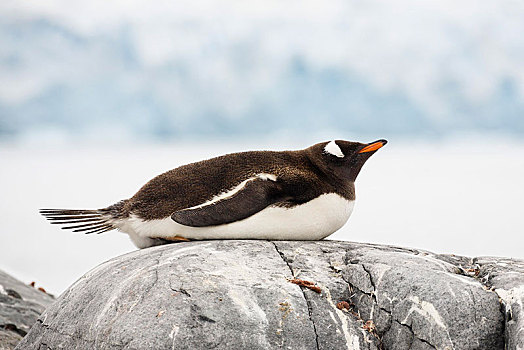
column 20, row 306
column 253, row 295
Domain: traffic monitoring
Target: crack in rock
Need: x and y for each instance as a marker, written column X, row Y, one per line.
column 46, row 347
column 484, row 278
column 374, row 300
column 74, row 336
column 181, row 291
column 308, row 303
column 13, row 328
column 413, row 333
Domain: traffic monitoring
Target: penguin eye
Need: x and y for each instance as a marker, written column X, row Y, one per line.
column 333, row 149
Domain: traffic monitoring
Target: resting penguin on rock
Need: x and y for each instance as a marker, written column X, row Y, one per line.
column 290, row 195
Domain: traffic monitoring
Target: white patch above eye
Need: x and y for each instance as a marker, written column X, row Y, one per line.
column 332, row 148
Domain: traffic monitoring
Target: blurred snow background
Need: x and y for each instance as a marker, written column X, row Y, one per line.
column 97, row 97
column 159, row 69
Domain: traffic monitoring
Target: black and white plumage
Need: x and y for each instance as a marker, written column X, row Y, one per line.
column 290, row 195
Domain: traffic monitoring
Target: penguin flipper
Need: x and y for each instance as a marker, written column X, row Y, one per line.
column 252, row 198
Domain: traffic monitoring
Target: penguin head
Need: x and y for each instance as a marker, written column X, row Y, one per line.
column 343, row 159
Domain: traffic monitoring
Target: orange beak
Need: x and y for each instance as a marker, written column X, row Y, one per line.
column 373, row 146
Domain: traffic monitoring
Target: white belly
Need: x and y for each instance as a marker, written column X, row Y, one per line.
column 313, row 220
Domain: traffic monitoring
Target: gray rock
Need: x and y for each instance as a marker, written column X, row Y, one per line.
column 20, row 306
column 243, row 295
column 506, row 278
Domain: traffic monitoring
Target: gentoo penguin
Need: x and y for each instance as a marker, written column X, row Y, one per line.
column 290, row 195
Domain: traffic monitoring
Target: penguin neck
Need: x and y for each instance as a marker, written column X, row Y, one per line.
column 343, row 186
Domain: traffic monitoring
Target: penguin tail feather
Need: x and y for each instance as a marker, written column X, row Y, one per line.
column 87, row 221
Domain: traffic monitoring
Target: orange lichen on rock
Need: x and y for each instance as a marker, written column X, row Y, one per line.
column 343, row 305
column 307, row 284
